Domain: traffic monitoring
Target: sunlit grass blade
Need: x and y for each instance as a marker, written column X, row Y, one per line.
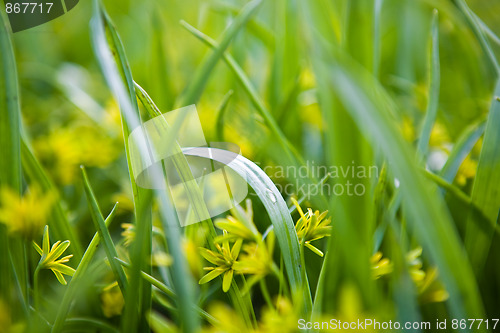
column 104, row 235
column 277, row 209
column 181, row 279
column 434, row 83
column 201, row 76
column 77, row 277
column 485, row 193
column 425, row 208
column 113, row 61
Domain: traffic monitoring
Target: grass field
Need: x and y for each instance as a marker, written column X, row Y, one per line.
column 369, row 138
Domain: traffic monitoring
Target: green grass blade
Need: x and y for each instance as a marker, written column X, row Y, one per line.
column 461, row 149
column 277, row 209
column 181, row 278
column 10, row 162
column 476, row 27
column 485, row 193
column 110, row 53
column 79, row 274
column 425, row 208
column 104, row 235
column 434, row 83
column 196, row 86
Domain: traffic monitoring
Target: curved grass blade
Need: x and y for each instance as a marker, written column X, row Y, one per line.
column 196, row 86
column 181, row 279
column 476, row 27
column 111, row 56
column 79, row 274
column 278, row 212
column 461, row 149
column 103, row 231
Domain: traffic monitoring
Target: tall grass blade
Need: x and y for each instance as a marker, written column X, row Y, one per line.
column 113, row 61
column 181, row 278
column 10, row 162
column 104, row 235
column 425, row 208
column 434, row 83
column 461, row 149
column 79, row 274
column 485, row 192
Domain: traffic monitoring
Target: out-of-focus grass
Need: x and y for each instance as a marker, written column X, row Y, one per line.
column 386, row 84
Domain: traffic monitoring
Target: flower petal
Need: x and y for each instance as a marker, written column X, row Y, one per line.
column 211, row 275
column 60, row 277
column 226, row 281
column 46, row 241
column 56, row 252
column 37, row 248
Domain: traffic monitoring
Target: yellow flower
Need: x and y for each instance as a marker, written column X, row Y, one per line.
column 283, row 319
column 112, row 301
column 311, row 227
column 66, row 148
column 407, row 129
column 50, row 255
column 223, row 260
column 380, row 266
column 257, row 260
column 227, row 320
column 466, row 171
column 428, row 286
column 25, row 215
column 235, row 230
column 439, row 136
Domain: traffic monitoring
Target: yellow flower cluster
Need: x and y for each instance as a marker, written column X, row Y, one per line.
column 428, row 287
column 25, row 215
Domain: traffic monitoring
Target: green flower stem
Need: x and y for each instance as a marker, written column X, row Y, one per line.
column 36, row 289
column 265, row 293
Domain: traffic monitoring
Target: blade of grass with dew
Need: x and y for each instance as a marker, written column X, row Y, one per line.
column 79, row 274
column 181, row 279
column 10, row 163
column 107, row 43
column 195, row 88
column 428, row 216
column 434, row 83
column 277, row 209
column 103, row 231
column 60, row 226
column 485, row 191
column 242, row 303
column 461, row 149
